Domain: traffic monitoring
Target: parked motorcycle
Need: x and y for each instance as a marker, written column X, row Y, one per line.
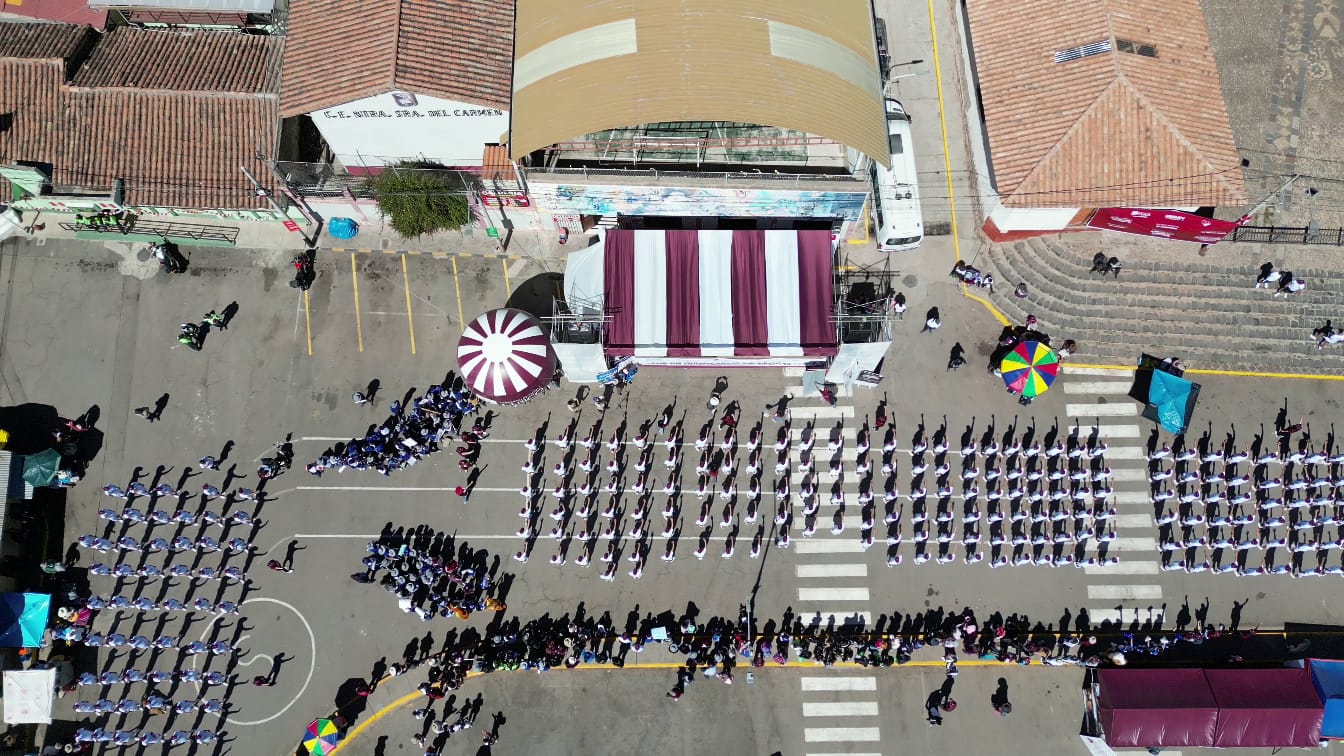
column 304, row 274
column 170, row 260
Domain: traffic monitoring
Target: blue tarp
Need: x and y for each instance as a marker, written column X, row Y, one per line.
column 1170, row 395
column 1328, row 677
column 23, row 619
column 342, row 228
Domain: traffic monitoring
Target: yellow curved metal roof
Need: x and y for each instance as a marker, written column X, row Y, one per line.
column 582, row 67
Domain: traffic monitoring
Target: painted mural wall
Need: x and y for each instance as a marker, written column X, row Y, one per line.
column 599, row 199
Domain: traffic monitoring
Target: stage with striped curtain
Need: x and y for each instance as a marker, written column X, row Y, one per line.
column 720, row 297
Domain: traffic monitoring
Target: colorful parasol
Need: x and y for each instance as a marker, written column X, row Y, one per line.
column 1029, row 368
column 505, row 356
column 322, row 737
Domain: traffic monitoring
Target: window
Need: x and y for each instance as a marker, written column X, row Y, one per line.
column 894, row 144
column 1135, row 48
column 1083, row 51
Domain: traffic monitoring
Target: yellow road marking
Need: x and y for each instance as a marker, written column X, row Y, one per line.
column 462, row 324
column 508, row 287
column 1003, row 320
column 1232, row 373
column 866, row 236
column 408, row 698
column 354, row 278
column 942, row 120
column 410, row 319
column 308, row 322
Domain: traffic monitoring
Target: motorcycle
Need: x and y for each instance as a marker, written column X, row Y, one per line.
column 190, row 336
column 304, row 274
column 169, row 259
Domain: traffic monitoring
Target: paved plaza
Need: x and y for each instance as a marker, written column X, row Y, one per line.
column 317, row 634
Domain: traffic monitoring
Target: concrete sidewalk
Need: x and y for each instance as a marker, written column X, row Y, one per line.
column 373, row 236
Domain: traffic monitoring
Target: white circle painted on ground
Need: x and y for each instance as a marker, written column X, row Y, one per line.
column 312, row 658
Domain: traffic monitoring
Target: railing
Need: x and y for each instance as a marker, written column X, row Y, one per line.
column 166, row 229
column 725, row 177
column 1288, row 235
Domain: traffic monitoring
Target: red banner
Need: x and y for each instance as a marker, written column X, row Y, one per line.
column 1163, row 224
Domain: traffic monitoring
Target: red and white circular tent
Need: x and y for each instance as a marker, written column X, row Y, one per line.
column 505, row 356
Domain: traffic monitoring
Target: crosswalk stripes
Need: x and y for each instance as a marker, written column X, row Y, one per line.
column 1118, row 593
column 831, row 571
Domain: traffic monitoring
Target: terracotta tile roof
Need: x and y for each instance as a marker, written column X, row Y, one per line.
column 64, row 11
column 495, row 163
column 454, row 49
column 177, row 144
column 32, row 71
column 38, row 41
column 1113, row 128
column 171, row 149
column 183, row 61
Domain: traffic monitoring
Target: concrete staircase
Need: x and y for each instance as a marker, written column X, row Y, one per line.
column 1208, row 314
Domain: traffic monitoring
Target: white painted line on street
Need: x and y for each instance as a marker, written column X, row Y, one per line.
column 839, row 683
column 840, row 708
column 841, row 618
column 1071, row 370
column 821, row 435
column 324, row 438
column 831, row 570
column 1123, row 568
column 831, row 546
column 1132, row 497
column 1111, row 409
column 1127, row 452
column 841, row 734
column 1129, row 474
column 1133, row 521
column 1108, row 614
column 1133, row 544
column 1123, row 592
column 852, row 753
column 1097, row 387
column 1118, row 431
column 794, row 371
column 388, row 489
column 821, row 413
column 833, row 594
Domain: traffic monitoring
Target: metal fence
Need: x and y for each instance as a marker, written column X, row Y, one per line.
column 326, row 180
column 1288, row 235
column 726, row 177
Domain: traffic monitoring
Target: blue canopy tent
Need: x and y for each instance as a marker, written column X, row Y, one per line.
column 23, row 619
column 1328, row 677
column 1169, row 399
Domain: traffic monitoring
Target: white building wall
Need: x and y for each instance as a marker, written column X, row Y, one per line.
column 397, row 126
column 1032, row 218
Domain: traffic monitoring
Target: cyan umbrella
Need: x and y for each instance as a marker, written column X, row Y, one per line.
column 40, row 469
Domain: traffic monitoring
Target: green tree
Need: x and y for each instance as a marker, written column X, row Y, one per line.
column 418, row 200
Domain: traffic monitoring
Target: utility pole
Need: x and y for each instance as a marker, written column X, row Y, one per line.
column 263, row 192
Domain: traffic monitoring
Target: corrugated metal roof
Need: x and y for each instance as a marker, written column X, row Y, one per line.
column 582, row 67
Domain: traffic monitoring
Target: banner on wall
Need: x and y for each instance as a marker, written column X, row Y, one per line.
column 1162, row 224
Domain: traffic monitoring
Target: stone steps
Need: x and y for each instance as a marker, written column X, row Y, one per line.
column 1148, row 271
column 1219, row 322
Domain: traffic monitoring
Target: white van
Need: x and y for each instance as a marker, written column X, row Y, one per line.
column 900, row 222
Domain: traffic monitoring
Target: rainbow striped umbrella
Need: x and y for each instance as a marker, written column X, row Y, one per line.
column 321, row 737
column 1030, row 368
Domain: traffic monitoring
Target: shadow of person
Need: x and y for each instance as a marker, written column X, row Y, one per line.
column 371, row 390
column 227, row 315
column 1000, row 696
column 349, row 703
